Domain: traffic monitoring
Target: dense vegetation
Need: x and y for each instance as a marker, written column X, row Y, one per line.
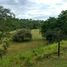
column 55, row 28
column 22, row 35
column 8, row 22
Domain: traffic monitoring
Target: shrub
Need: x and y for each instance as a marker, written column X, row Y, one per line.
column 50, row 36
column 2, row 52
column 22, row 35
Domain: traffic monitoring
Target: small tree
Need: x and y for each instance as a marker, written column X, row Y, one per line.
column 50, row 36
column 54, row 35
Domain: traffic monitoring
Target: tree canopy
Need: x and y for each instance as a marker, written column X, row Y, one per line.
column 55, row 27
column 9, row 22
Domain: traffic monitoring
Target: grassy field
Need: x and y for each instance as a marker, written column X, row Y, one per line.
column 35, row 53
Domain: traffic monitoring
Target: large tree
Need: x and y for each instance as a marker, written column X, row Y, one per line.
column 52, row 24
column 62, row 21
column 48, row 24
column 5, row 14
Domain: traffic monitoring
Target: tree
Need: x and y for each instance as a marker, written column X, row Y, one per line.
column 62, row 22
column 5, row 14
column 52, row 32
column 55, row 29
column 49, row 24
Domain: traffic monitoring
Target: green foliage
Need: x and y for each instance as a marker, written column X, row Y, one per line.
column 22, row 35
column 54, row 35
column 4, row 44
column 48, row 29
column 8, row 22
column 50, row 36
column 2, row 51
column 62, row 22
column 55, row 28
column 50, row 23
column 5, row 14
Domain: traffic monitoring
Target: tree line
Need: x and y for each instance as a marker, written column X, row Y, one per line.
column 55, row 29
column 8, row 21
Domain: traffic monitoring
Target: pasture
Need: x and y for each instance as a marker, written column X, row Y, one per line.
column 35, row 53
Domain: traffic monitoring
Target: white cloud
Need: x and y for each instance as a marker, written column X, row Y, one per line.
column 54, row 9
column 46, row 1
column 16, row 1
column 35, row 9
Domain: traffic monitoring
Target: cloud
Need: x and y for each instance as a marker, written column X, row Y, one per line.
column 46, row 1
column 35, row 9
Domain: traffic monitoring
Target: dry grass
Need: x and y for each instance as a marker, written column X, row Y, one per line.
column 36, row 34
column 16, row 47
column 36, row 42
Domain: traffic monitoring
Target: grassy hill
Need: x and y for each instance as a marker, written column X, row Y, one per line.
column 36, row 53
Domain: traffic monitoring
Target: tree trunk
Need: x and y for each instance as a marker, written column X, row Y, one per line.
column 58, row 48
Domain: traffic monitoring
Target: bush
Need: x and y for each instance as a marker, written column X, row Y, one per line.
column 50, row 36
column 2, row 52
column 22, row 35
column 53, row 35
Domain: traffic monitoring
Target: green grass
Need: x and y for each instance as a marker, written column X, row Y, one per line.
column 17, row 59
column 35, row 53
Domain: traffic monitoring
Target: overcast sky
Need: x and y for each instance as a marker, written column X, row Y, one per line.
column 35, row 9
